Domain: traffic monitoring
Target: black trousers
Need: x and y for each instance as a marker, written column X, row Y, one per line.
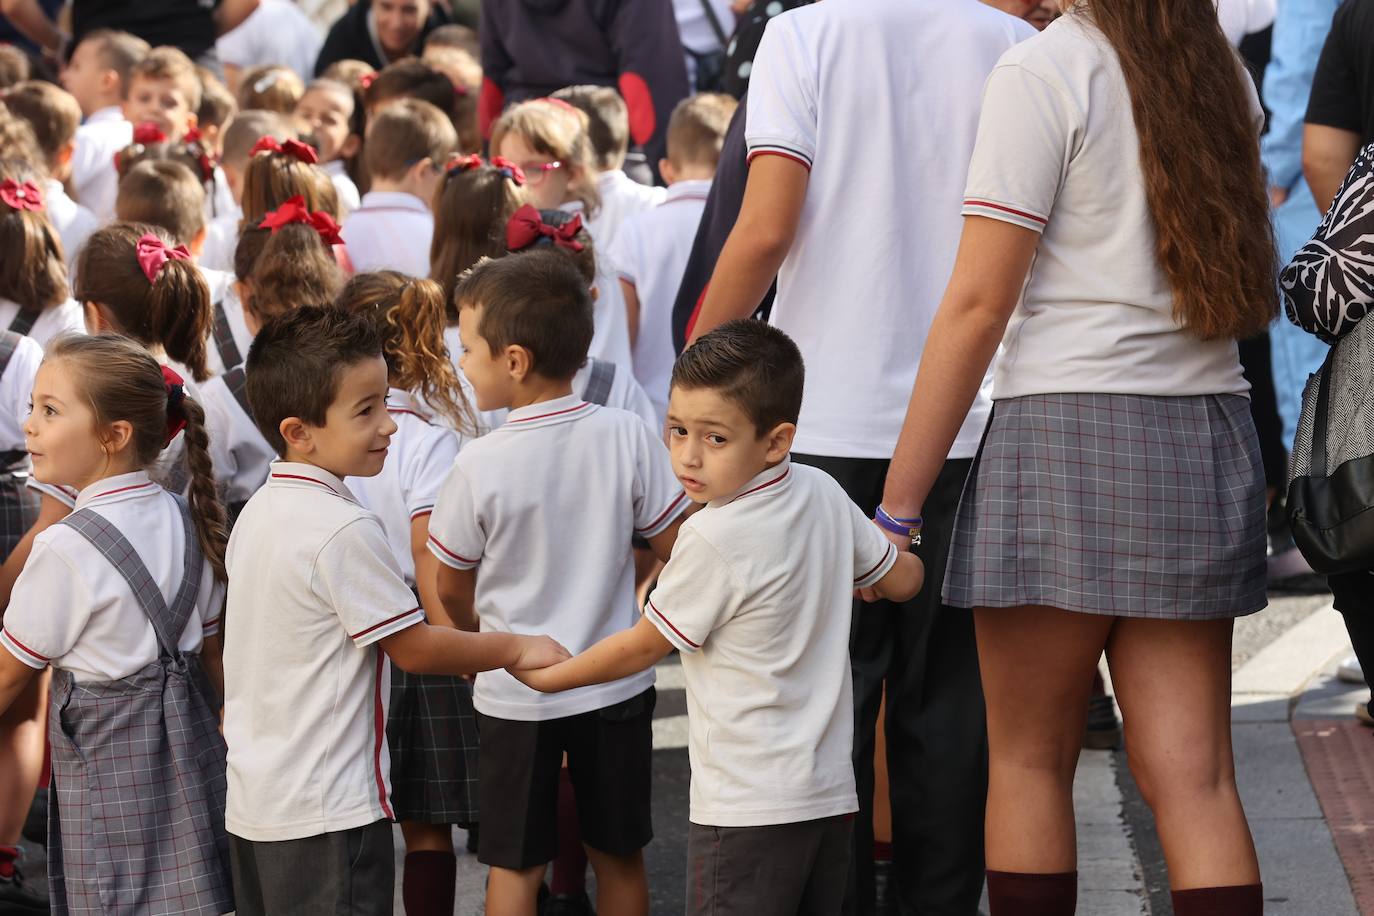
column 925, row 653
column 1353, row 595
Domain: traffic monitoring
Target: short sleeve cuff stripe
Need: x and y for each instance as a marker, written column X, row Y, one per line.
column 23, row 652
column 884, row 565
column 387, row 627
column 665, row 519
column 450, row 557
column 974, row 206
column 778, row 149
column 670, row 632
column 210, row 627
column 420, row 512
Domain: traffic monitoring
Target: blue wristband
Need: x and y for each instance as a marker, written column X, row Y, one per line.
column 907, row 527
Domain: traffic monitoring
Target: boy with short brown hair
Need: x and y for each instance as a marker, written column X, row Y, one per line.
column 163, row 89
column 97, row 76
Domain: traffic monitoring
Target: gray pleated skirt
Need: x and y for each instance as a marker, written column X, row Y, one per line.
column 1122, row 505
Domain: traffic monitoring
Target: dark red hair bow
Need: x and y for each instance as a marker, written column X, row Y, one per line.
column 148, row 132
column 466, row 163
column 295, row 211
column 509, row 169
column 26, row 196
column 303, row 152
column 176, row 395
column 527, row 227
column 153, row 252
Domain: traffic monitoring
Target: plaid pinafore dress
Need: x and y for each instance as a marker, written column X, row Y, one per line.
column 136, row 821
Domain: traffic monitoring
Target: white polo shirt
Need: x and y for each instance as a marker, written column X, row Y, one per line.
column 277, row 32
column 16, row 389
column 1058, row 153
column 418, row 462
column 547, row 505
column 343, row 186
column 73, row 610
column 313, row 587
column 94, row 179
column 757, row 597
column 73, row 222
column 611, row 330
column 61, row 318
column 621, row 198
column 221, row 238
column 880, row 225
column 651, row 254
column 390, row 230
column 240, row 454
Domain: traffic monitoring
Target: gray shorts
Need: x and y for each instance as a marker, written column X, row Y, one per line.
column 776, row 870
column 345, row 873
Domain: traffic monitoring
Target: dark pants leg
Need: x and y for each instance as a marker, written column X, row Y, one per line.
column 346, row 873
column 1353, row 595
column 774, row 870
column 935, row 726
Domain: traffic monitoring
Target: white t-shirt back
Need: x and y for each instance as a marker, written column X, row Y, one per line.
column 621, row 198
column 16, row 388
column 240, row 454
column 758, row 597
column 94, row 179
column 546, row 505
column 73, row 222
column 880, row 225
column 277, row 32
column 343, row 186
column 390, row 231
column 1058, row 153
column 65, row 317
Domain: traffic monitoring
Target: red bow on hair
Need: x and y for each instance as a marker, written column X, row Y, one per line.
column 26, row 196
column 176, row 394
column 195, row 145
column 466, row 163
column 147, row 133
column 295, row 211
column 302, row 152
column 367, row 79
column 153, row 252
column 460, row 90
column 509, row 169
column 191, row 136
column 527, row 227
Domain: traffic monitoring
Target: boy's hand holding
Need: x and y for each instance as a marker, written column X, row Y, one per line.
column 538, row 652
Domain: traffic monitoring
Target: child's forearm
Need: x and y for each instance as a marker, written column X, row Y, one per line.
column 426, row 649
column 627, row 652
column 903, row 580
column 14, row 676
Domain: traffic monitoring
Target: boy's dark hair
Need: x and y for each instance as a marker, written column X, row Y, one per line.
column 753, row 365
column 52, row 113
column 457, row 36
column 247, row 128
column 539, row 301
column 410, row 78
column 119, row 51
column 696, row 129
column 402, row 133
column 294, row 365
column 163, row 192
column 609, row 127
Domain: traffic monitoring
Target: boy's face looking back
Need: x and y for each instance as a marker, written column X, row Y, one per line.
column 715, row 446
column 93, row 84
column 160, row 102
column 357, row 429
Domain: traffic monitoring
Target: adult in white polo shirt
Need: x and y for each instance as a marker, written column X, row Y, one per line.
column 1116, row 245
column 853, row 201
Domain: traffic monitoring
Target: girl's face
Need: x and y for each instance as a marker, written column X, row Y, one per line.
column 546, row 178
column 325, row 116
column 61, row 435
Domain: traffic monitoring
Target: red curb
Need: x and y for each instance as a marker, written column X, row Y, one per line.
column 1339, row 755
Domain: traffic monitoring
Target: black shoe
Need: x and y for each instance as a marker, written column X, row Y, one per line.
column 36, row 824
column 884, row 888
column 1104, row 728
column 18, row 898
column 472, row 839
column 569, row 905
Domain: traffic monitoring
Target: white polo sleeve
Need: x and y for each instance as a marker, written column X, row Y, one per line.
column 627, row 251
column 455, row 533
column 696, row 593
column 426, row 468
column 874, row 554
column 1027, row 133
column 17, row 383
column 48, row 609
column 658, row 497
column 781, row 115
column 356, row 575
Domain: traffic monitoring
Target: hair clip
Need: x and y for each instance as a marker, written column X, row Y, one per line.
column 176, row 397
column 302, row 152
column 295, row 211
column 266, row 81
column 527, row 228
column 366, row 80
column 26, row 196
column 152, row 253
column 148, row 133
column 509, row 169
column 457, row 164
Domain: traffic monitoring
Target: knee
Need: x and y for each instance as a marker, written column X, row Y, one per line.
column 1183, row 775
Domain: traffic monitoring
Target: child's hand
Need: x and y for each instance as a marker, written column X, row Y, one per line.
column 538, row 652
column 545, row 680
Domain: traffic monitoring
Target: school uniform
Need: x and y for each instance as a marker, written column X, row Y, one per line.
column 757, row 598
column 390, row 230
column 221, row 239
column 240, row 454
column 315, row 587
column 118, row 598
column 229, row 334
column 431, row 725
column 219, row 197
column 94, row 178
column 73, row 222
column 63, row 318
column 344, row 187
column 19, row 361
column 651, row 254
column 621, row 198
column 555, row 559
column 611, row 323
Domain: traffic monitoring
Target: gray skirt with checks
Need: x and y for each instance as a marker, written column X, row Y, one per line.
column 432, row 736
column 1122, row 505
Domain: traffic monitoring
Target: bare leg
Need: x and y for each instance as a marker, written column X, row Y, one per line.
column 513, row 893
column 622, row 886
column 21, row 756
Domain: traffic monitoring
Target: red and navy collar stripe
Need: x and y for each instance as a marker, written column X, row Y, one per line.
column 765, row 485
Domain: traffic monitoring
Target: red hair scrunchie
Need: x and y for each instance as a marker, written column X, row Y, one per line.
column 176, row 395
column 509, row 169
column 302, row 152
column 466, row 163
column 295, row 211
column 26, row 196
column 152, row 252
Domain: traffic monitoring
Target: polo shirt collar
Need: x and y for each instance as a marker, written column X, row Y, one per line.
column 695, row 189
column 547, row 413
column 107, row 115
column 393, row 199
column 771, row 482
column 294, row 475
column 117, row 489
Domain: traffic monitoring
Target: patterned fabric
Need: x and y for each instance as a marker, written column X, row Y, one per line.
column 431, row 732
column 1329, row 285
column 18, row 503
column 1124, row 505
column 598, row 388
column 224, row 338
column 137, row 822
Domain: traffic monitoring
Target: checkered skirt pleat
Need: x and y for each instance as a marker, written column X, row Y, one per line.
column 432, row 735
column 1123, row 505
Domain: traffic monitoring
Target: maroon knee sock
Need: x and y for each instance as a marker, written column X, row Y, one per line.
column 8, row 856
column 1239, row 900
column 427, row 887
column 1016, row 894
column 570, row 868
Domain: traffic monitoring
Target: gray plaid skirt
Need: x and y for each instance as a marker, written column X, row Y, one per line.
column 1122, row 505
column 431, row 733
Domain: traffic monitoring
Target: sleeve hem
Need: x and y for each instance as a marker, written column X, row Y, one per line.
column 883, row 568
column 773, row 149
column 402, row 621
column 449, row 557
column 1008, row 213
column 23, row 652
column 669, row 631
column 665, row 518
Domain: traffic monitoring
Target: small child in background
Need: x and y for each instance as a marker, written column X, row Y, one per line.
column 526, row 323
column 653, row 247
column 136, row 672
column 319, row 605
column 217, row 108
column 547, row 139
column 465, row 73
column 328, row 116
column 35, row 300
column 97, row 76
column 163, row 90
column 243, row 133
column 270, row 87
column 15, row 66
column 609, row 133
column 352, row 73
column 431, row 725
column 55, row 116
column 457, row 37
column 408, row 142
column 408, row 78
column 757, row 598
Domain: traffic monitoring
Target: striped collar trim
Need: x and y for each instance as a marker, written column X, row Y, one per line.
column 117, row 489
column 546, row 413
column 296, row 475
column 774, row 480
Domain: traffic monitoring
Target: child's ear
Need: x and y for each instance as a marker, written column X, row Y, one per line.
column 198, row 243
column 109, row 82
column 665, row 168
column 780, row 441
column 519, row 362
column 98, row 319
column 350, row 146
column 117, row 437
column 297, row 436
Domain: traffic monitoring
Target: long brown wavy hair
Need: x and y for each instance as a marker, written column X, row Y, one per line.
column 1199, row 152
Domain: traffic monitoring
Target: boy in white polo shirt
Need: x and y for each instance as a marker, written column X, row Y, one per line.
column 757, row 597
column 318, row 605
column 546, row 506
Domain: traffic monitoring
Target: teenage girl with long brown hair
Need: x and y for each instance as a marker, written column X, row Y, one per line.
column 1117, row 252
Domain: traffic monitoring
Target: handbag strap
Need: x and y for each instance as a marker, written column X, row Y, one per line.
column 716, row 26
